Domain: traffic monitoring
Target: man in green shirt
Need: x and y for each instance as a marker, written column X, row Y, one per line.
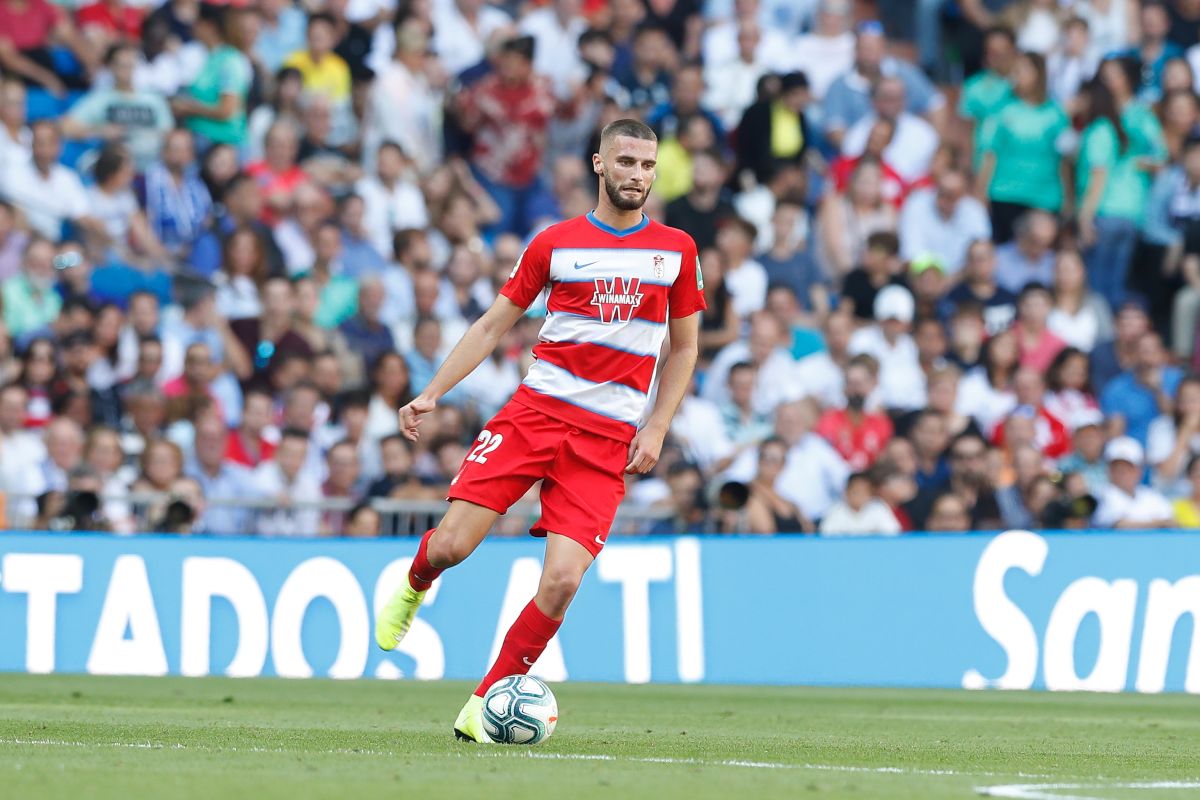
column 988, row 91
column 214, row 106
column 30, row 301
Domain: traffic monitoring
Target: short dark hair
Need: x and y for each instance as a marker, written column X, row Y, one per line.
column 292, row 432
column 633, row 128
column 321, row 16
column 1004, row 31
column 884, row 240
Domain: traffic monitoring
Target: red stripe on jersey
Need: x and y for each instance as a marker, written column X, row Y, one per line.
column 599, row 364
column 611, row 299
column 574, row 415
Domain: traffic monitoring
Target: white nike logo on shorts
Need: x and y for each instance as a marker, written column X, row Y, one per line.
column 599, row 540
column 528, row 663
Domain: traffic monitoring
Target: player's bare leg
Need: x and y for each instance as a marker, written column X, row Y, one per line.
column 461, row 530
column 563, row 570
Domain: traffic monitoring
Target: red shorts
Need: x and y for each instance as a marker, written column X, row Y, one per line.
column 582, row 473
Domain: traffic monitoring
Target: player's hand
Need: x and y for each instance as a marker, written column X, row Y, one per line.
column 410, row 416
column 644, row 451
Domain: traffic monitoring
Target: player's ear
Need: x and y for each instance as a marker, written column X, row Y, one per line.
column 597, row 164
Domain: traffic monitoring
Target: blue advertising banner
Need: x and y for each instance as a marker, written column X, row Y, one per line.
column 1064, row 611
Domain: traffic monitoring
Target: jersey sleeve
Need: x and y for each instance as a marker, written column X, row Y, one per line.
column 687, row 293
column 530, row 274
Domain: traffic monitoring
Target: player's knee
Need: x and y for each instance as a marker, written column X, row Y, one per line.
column 446, row 550
column 557, row 589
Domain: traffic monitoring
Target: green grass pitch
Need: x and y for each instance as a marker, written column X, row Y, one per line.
column 90, row 737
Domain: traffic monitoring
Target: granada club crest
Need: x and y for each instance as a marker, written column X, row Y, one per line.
column 658, row 266
column 616, row 298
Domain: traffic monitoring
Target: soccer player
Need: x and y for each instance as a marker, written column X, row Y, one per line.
column 619, row 283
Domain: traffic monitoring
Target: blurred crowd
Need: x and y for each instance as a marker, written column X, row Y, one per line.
column 950, row 249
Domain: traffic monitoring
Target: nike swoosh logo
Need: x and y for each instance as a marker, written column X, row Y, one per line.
column 599, row 541
column 588, row 264
column 528, row 663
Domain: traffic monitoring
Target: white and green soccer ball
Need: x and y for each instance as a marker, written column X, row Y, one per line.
column 519, row 709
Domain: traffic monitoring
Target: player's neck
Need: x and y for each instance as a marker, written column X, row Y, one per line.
column 617, row 218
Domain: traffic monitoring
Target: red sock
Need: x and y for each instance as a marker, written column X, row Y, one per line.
column 523, row 643
column 422, row 574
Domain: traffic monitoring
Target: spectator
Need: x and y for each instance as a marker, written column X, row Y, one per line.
column 391, row 389
column 1076, row 57
column 362, row 522
column 1121, row 143
column 1071, row 398
column 1029, row 257
column 731, row 79
column 404, row 102
column 29, row 300
column 509, row 146
column 813, row 475
column 943, row 221
column 1173, row 438
column 1037, row 345
column 700, row 211
column 125, row 234
column 159, row 464
column 1020, row 165
column 744, row 278
column 1126, row 502
column 785, row 183
column 242, row 208
column 325, row 73
column 1087, row 458
column 282, row 32
column 856, row 433
column 222, row 480
column 880, row 267
column 860, row 513
column 1080, row 317
column 175, row 200
column 949, row 514
column 1139, row 394
column 365, row 334
column 767, row 511
column 987, row 92
column 846, row 221
column 1108, row 359
column 743, row 424
column 50, row 194
column 214, row 105
column 901, row 383
column 392, row 201
column 242, row 277
column 789, row 264
column 913, row 141
column 32, row 30
column 343, row 471
column 775, row 129
column 763, row 349
column 264, row 339
column 880, row 137
column 827, row 49
column 1153, row 50
column 289, row 488
column 848, row 98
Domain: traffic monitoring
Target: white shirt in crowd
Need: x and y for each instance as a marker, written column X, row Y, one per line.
column 459, row 45
column 701, row 431
column 1144, row 505
column 556, row 48
column 719, row 46
column 873, row 519
column 901, row 381
column 819, row 376
column 270, row 483
column 47, row 201
column 405, row 110
column 748, row 286
column 771, row 386
column 912, row 147
column 386, row 211
column 822, row 59
column 730, row 89
column 813, row 477
column 923, row 230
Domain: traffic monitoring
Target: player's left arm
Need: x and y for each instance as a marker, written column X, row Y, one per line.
column 682, row 351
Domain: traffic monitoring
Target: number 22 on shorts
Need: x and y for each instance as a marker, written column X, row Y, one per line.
column 488, row 442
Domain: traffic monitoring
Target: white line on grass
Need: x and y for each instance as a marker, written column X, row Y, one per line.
column 1028, row 791
column 1051, row 791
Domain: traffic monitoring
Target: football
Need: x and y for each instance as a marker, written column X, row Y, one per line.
column 519, row 709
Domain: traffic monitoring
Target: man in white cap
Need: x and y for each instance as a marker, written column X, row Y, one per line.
column 901, row 381
column 1126, row 502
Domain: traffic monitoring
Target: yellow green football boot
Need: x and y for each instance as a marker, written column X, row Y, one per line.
column 469, row 725
column 397, row 616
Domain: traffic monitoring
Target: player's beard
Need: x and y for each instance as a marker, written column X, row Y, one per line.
column 620, row 201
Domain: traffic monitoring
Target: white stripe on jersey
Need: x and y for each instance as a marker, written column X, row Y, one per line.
column 613, row 400
column 588, row 263
column 636, row 336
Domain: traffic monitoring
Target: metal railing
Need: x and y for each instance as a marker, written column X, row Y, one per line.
column 398, row 518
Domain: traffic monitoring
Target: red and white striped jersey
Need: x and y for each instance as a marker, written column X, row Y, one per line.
column 611, row 293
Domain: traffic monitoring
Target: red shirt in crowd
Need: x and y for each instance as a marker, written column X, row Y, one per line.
column 235, row 451
column 509, row 122
column 894, row 188
column 112, row 17
column 860, row 445
column 28, row 25
column 271, row 183
column 1051, row 435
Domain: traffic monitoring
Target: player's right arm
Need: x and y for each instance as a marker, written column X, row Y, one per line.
column 476, row 344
